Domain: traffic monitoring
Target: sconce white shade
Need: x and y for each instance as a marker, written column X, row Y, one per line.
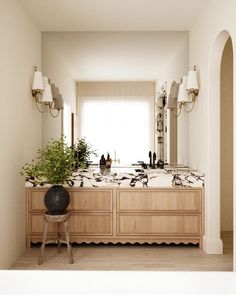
column 47, row 93
column 38, row 81
column 183, row 94
column 172, row 98
column 192, row 83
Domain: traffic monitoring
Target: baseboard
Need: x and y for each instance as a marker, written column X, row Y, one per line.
column 212, row 246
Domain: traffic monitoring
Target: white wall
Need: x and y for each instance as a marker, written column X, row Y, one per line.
column 20, row 122
column 54, row 68
column 218, row 16
column 119, row 56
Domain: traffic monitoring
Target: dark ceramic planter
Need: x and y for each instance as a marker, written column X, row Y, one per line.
column 56, row 199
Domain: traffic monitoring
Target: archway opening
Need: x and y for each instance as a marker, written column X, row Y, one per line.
column 212, row 242
column 226, row 146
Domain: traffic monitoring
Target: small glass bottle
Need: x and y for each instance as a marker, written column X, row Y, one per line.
column 108, row 161
column 102, row 162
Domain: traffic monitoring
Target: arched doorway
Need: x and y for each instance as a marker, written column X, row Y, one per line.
column 226, row 145
column 212, row 239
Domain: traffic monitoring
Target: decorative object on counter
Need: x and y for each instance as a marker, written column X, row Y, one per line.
column 139, row 170
column 154, row 160
column 54, row 165
column 82, row 152
column 144, row 165
column 108, row 161
column 150, row 158
column 160, row 164
column 102, row 162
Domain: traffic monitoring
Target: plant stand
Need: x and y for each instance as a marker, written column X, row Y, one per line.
column 62, row 218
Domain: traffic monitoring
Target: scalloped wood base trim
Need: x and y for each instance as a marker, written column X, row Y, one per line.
column 128, row 241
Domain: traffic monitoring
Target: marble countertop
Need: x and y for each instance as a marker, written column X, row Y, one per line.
column 135, row 177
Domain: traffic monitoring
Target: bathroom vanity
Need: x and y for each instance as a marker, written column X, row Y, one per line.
column 118, row 213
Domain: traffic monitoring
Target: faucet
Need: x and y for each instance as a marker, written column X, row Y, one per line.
column 116, row 160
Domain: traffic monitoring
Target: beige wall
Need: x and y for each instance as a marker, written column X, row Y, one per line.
column 206, row 40
column 20, row 122
column 54, row 68
column 202, row 39
column 226, row 140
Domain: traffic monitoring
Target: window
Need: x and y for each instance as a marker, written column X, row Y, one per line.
column 117, row 118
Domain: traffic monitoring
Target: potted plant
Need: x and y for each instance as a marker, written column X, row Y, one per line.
column 82, row 153
column 54, row 165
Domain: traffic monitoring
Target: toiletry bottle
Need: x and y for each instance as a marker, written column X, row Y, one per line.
column 108, row 161
column 102, row 162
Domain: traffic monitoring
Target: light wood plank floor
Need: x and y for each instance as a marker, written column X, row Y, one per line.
column 130, row 257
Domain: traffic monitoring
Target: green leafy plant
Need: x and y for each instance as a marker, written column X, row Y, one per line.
column 54, row 164
column 83, row 151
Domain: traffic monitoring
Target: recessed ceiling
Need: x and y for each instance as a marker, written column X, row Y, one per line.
column 114, row 15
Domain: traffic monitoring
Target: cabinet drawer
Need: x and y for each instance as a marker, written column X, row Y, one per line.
column 82, row 224
column 91, row 224
column 151, row 200
column 94, row 200
column 82, row 200
column 36, row 200
column 158, row 224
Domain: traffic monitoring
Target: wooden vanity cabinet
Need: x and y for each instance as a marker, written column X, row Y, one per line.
column 125, row 215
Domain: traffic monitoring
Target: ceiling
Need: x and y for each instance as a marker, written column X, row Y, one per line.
column 116, row 56
column 114, row 15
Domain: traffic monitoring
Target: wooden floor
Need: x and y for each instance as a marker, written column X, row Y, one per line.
column 130, row 257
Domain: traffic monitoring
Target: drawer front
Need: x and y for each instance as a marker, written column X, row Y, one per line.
column 147, row 200
column 161, row 224
column 82, row 224
column 84, row 200
column 36, row 201
column 94, row 200
column 91, row 224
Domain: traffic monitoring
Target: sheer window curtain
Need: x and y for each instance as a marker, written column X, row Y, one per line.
column 118, row 118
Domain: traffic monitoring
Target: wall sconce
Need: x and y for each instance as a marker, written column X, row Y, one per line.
column 58, row 103
column 186, row 95
column 45, row 94
column 173, row 95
